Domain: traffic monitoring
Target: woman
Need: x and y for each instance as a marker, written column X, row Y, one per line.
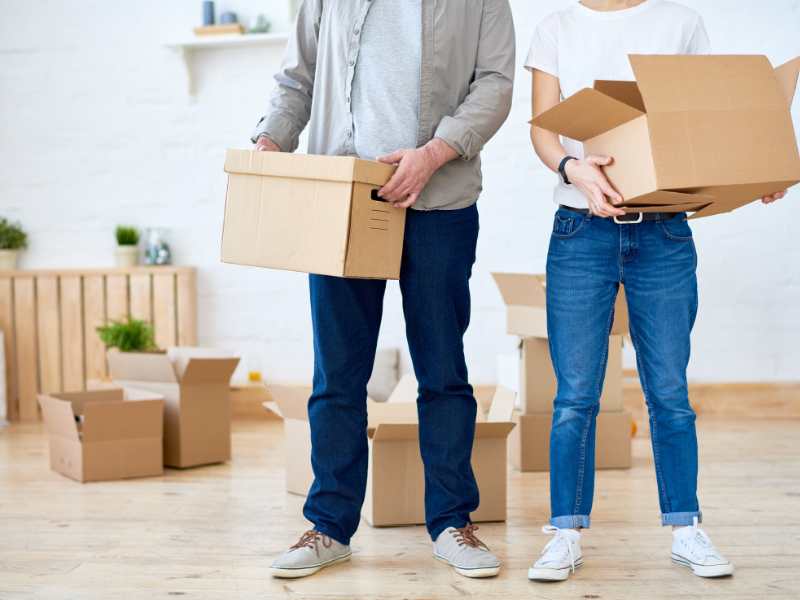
column 591, row 253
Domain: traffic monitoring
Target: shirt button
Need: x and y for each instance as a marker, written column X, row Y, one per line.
column 352, row 63
column 357, row 31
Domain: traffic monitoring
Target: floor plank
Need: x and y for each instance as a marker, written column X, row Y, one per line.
column 211, row 532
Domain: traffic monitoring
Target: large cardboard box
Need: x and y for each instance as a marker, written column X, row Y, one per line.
column 105, row 434
column 197, row 410
column 395, row 488
column 529, row 442
column 315, row 214
column 693, row 133
column 526, row 305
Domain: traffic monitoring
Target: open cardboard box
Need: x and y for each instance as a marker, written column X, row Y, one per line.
column 195, row 383
column 104, row 434
column 702, row 134
column 395, row 488
column 309, row 213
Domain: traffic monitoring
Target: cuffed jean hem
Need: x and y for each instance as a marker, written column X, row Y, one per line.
column 335, row 537
column 571, row 522
column 681, row 519
column 435, row 533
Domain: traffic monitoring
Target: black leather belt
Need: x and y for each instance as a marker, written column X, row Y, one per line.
column 631, row 218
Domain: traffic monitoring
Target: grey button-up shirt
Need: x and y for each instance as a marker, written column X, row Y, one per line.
column 466, row 85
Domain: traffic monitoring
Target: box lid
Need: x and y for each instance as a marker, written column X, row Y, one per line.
column 289, row 401
column 209, row 370
column 141, row 366
column 521, row 289
column 787, row 75
column 307, row 166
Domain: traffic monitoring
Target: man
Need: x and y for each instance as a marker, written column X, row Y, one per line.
column 590, row 255
column 422, row 84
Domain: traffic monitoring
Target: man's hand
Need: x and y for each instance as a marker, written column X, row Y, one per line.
column 588, row 177
column 773, row 197
column 414, row 169
column 264, row 144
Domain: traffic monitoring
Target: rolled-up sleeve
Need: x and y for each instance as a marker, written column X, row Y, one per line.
column 488, row 102
column 290, row 103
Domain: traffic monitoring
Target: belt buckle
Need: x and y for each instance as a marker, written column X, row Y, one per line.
column 624, row 221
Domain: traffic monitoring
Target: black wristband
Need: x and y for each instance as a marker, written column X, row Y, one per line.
column 562, row 168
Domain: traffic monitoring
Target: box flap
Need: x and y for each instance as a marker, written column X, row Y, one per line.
column 181, row 355
column 59, row 418
column 520, row 289
column 670, row 83
column 307, row 166
column 394, row 432
column 406, row 390
column 502, row 405
column 787, row 75
column 668, row 197
column 291, row 401
column 493, row 430
column 624, row 91
column 586, row 114
column 209, row 370
column 125, row 420
column 383, row 413
column 140, row 366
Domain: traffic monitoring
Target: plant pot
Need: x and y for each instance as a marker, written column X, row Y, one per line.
column 8, row 259
column 127, row 256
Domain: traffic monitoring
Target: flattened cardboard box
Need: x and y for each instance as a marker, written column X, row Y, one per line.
column 526, row 305
column 529, row 442
column 314, row 214
column 104, row 434
column 703, row 134
column 395, row 488
column 197, row 411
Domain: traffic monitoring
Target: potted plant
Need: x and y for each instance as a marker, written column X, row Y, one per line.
column 127, row 253
column 131, row 335
column 12, row 240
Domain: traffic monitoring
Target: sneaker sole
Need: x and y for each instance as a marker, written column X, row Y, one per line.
column 478, row 573
column 305, row 571
column 704, row 570
column 539, row 574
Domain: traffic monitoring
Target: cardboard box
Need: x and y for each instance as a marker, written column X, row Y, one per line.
column 197, row 410
column 526, row 305
column 529, row 442
column 706, row 134
column 105, row 434
column 395, row 488
column 315, row 214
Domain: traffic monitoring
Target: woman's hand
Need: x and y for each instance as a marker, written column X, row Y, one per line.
column 264, row 144
column 588, row 177
column 772, row 198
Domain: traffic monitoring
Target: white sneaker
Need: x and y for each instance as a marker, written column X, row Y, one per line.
column 560, row 557
column 692, row 548
column 469, row 556
column 314, row 551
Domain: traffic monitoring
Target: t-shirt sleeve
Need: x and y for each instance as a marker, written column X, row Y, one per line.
column 699, row 42
column 543, row 53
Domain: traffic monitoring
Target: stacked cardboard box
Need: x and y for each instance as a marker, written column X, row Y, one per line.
column 529, row 443
column 395, row 486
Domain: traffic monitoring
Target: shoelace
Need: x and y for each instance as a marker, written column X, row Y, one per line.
column 701, row 538
column 311, row 539
column 466, row 537
column 559, row 537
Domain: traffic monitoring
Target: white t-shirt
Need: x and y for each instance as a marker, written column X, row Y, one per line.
column 580, row 45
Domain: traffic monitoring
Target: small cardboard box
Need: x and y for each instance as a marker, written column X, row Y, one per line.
column 105, row 434
column 529, row 442
column 315, row 214
column 705, row 134
column 197, row 410
column 537, row 380
column 395, row 488
column 526, row 305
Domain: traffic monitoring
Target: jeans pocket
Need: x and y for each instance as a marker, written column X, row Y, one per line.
column 567, row 223
column 677, row 228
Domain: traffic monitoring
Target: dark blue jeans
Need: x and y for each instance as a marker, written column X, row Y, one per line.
column 438, row 255
column 656, row 260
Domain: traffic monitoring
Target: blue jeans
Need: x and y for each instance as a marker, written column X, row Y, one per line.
column 438, row 254
column 656, row 260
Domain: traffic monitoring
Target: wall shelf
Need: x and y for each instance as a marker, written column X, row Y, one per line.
column 186, row 47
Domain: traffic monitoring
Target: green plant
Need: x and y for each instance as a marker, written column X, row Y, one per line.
column 12, row 237
column 127, row 236
column 131, row 335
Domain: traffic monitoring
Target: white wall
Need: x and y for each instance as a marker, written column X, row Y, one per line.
column 96, row 129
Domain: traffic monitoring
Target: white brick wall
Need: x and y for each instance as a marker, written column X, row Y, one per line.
column 96, row 129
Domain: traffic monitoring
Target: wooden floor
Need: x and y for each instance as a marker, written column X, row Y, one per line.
column 211, row 532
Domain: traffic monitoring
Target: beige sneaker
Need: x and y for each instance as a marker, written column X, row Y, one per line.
column 463, row 551
column 314, row 551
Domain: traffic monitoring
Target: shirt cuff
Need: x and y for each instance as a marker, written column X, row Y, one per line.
column 277, row 128
column 460, row 137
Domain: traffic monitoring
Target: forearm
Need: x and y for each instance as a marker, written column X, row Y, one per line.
column 548, row 148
